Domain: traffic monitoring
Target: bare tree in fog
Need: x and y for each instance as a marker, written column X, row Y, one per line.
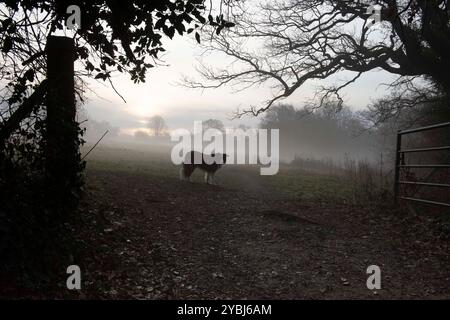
column 213, row 124
column 158, row 125
column 322, row 133
column 141, row 135
column 410, row 105
column 305, row 40
column 243, row 127
column 95, row 129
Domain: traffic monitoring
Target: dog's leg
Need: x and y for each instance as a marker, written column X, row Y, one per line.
column 186, row 173
column 189, row 175
column 182, row 175
column 206, row 177
column 212, row 179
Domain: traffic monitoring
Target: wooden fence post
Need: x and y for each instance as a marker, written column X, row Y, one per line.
column 62, row 148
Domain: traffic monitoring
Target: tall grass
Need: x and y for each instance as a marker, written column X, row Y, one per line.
column 365, row 181
column 368, row 181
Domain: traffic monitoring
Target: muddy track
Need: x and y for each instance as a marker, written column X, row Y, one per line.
column 148, row 237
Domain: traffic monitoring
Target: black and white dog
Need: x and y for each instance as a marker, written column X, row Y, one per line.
column 208, row 163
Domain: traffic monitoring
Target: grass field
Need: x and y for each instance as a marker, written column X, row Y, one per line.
column 292, row 182
column 296, row 235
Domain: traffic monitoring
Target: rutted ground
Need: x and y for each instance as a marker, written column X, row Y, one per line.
column 153, row 237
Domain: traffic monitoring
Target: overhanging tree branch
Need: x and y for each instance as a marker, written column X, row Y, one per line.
column 283, row 44
column 22, row 112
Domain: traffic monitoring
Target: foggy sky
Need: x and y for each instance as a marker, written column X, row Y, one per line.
column 181, row 106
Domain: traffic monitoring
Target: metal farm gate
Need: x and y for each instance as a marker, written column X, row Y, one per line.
column 400, row 164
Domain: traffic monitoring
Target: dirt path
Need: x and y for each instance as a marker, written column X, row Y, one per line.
column 151, row 237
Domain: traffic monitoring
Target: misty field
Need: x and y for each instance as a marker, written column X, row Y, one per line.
column 292, row 182
column 296, row 235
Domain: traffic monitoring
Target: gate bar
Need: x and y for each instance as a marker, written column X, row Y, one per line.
column 426, row 184
column 436, row 126
column 398, row 158
column 424, row 166
column 426, row 201
column 399, row 163
column 425, row 149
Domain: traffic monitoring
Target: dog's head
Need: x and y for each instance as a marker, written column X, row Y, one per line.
column 224, row 157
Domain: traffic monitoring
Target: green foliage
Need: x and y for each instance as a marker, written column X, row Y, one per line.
column 123, row 35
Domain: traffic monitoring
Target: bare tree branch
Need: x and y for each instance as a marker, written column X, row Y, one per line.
column 283, row 44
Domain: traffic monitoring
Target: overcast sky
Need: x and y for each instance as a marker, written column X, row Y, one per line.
column 181, row 106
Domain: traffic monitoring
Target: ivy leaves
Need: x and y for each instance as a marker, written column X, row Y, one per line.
column 138, row 29
column 123, row 36
column 219, row 23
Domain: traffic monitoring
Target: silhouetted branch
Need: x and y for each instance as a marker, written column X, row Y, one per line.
column 23, row 111
column 283, row 44
column 95, row 145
